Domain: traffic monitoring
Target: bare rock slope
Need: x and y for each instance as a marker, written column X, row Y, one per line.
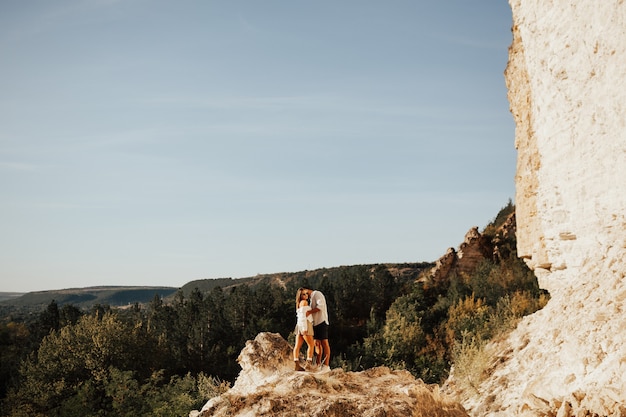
column 268, row 386
column 567, row 89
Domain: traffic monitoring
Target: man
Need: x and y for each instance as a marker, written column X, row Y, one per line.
column 320, row 326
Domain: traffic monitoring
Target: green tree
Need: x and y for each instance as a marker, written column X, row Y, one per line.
column 193, row 328
column 384, row 290
column 238, row 313
column 49, row 320
column 73, row 365
column 401, row 339
column 68, row 315
column 268, row 309
column 220, row 359
column 14, row 343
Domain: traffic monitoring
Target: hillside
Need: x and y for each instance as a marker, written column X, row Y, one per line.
column 206, row 285
column 120, row 296
column 403, row 272
column 114, row 296
column 9, row 295
column 14, row 305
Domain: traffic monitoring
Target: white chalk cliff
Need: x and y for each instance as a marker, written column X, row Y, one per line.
column 566, row 79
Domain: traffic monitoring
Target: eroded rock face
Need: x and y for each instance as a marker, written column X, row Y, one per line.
column 475, row 249
column 567, row 89
column 268, row 386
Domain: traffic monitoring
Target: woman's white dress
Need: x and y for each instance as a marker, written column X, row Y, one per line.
column 303, row 320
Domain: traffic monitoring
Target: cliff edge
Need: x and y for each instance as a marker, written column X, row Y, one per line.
column 268, row 386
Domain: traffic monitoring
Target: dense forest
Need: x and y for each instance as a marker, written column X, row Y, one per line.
column 169, row 356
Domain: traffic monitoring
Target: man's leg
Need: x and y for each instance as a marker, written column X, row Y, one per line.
column 326, row 347
column 318, row 352
column 321, row 337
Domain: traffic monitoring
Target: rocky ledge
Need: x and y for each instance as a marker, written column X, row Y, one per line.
column 268, row 386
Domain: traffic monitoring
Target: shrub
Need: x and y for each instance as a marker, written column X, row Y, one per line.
column 470, row 354
column 467, row 316
column 471, row 361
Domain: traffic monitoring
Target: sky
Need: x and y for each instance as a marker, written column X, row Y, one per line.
column 153, row 142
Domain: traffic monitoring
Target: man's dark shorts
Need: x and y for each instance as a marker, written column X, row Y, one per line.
column 320, row 332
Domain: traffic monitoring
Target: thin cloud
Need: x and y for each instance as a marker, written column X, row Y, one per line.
column 474, row 43
column 251, row 103
column 325, row 102
column 245, row 25
column 101, row 3
column 17, row 166
column 50, row 19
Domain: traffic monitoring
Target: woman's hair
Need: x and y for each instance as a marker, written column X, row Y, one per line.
column 299, row 296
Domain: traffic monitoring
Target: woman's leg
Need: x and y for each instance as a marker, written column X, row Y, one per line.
column 296, row 353
column 296, row 348
column 310, row 347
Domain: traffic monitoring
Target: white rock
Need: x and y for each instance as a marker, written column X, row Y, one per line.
column 567, row 88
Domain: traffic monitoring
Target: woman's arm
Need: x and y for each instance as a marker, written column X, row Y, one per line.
column 312, row 311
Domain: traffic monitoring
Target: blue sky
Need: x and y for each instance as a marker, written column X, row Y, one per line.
column 157, row 142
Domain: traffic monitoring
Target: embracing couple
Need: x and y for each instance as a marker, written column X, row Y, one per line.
column 312, row 328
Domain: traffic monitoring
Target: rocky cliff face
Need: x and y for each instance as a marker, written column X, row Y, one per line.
column 475, row 249
column 567, row 89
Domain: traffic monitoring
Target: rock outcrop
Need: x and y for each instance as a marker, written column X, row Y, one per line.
column 474, row 250
column 567, row 90
column 268, row 386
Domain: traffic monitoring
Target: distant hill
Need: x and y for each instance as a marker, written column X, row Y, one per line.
column 206, row 285
column 120, row 296
column 404, row 272
column 115, row 296
column 10, row 295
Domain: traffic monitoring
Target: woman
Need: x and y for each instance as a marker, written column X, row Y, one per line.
column 304, row 330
